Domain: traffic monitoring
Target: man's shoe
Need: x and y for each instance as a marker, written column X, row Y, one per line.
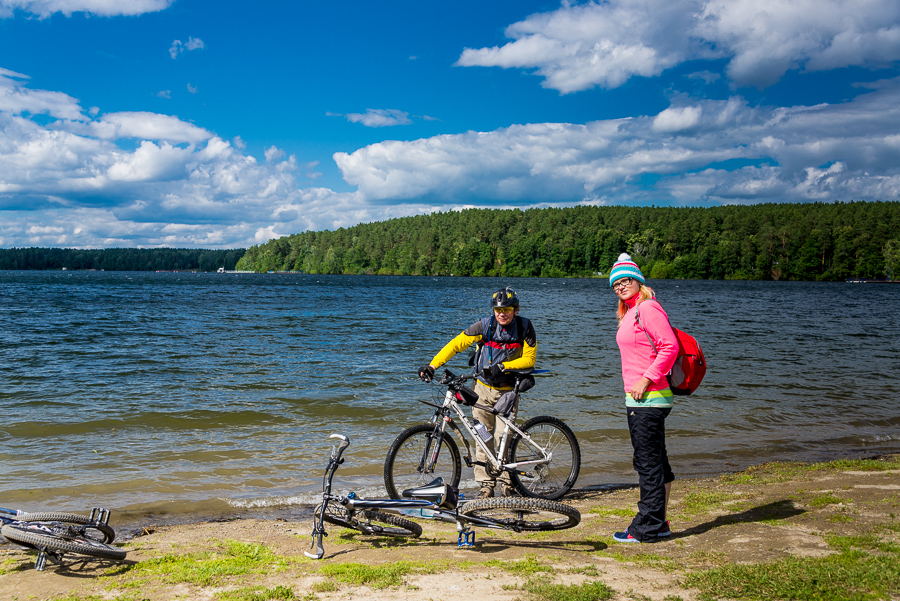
column 509, row 491
column 624, row 537
column 666, row 530
column 486, row 492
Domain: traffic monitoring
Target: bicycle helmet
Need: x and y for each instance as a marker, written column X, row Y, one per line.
column 505, row 297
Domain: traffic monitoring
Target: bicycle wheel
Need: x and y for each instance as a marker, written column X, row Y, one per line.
column 101, row 532
column 522, row 513
column 548, row 480
column 60, row 542
column 371, row 522
column 404, row 469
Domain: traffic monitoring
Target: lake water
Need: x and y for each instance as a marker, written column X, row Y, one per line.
column 165, row 396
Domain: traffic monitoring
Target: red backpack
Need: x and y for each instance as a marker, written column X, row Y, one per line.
column 690, row 365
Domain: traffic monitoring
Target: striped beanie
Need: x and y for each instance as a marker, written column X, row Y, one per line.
column 625, row 268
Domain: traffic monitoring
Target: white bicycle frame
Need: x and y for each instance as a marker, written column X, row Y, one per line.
column 452, row 404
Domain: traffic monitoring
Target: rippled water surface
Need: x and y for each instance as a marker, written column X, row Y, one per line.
column 182, row 392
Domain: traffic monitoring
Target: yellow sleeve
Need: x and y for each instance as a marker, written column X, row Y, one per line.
column 526, row 361
column 458, row 344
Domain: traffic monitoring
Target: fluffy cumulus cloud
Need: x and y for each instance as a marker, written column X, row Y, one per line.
column 178, row 46
column 695, row 151
column 577, row 47
column 378, row 117
column 105, row 8
column 70, row 177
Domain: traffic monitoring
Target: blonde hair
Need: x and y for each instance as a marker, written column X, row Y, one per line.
column 643, row 294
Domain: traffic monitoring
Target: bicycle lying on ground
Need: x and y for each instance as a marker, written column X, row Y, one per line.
column 542, row 457
column 52, row 534
column 437, row 501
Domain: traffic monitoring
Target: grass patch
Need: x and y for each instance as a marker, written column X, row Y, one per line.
column 381, row 576
column 587, row 591
column 825, row 500
column 206, row 568
column 782, row 471
column 702, row 502
column 526, row 566
column 608, row 512
column 864, row 568
column 257, row 593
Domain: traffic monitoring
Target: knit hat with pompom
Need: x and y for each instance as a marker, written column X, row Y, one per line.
column 625, row 268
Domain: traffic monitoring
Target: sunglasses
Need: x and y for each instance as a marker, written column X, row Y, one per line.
column 623, row 283
column 503, row 309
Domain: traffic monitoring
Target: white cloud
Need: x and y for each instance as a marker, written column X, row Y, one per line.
column 773, row 154
column 604, row 44
column 104, row 8
column 191, row 89
column 167, row 94
column 178, row 46
column 380, row 118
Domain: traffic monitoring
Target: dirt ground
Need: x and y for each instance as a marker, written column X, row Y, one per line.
column 760, row 515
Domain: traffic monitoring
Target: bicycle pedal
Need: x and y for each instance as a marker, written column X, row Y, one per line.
column 466, row 539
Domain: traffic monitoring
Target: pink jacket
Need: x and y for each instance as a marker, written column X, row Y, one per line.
column 638, row 358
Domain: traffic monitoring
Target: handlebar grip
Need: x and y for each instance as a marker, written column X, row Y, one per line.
column 345, row 442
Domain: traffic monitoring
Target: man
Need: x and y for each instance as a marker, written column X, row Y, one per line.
column 505, row 341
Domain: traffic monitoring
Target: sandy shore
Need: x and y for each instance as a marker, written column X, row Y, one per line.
column 763, row 515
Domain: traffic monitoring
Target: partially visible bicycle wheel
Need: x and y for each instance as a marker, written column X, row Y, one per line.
column 34, row 535
column 522, row 513
column 370, row 522
column 101, row 532
column 408, row 462
column 548, row 480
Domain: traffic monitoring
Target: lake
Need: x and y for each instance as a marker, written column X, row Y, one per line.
column 169, row 395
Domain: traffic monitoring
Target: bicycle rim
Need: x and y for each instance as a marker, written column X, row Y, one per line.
column 402, row 468
column 523, row 513
column 44, row 541
column 551, row 480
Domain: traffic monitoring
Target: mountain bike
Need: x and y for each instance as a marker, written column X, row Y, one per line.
column 436, row 501
column 52, row 534
column 542, row 457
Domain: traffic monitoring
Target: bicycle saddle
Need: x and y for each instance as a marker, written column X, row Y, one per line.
column 437, row 492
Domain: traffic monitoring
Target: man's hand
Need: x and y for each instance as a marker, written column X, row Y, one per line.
column 426, row 372
column 492, row 372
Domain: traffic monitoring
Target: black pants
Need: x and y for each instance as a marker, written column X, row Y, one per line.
column 647, row 426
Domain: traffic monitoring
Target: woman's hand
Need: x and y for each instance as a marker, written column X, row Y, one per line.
column 640, row 388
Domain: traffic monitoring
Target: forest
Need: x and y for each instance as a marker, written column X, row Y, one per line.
column 810, row 241
column 119, row 259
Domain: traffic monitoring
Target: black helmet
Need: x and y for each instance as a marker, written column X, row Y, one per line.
column 505, row 297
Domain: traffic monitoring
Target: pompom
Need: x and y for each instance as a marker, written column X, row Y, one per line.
column 624, row 257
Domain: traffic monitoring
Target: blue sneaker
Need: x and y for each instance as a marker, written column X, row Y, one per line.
column 624, row 537
column 666, row 530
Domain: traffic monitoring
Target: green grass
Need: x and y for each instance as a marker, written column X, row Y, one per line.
column 782, row 471
column 702, row 502
column 824, row 500
column 380, row 576
column 607, row 512
column 528, row 565
column 863, row 568
column 206, row 568
column 587, row 591
column 258, row 593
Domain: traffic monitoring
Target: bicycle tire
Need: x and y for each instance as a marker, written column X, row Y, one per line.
column 552, row 480
column 524, row 513
column 55, row 542
column 401, row 467
column 371, row 522
column 106, row 531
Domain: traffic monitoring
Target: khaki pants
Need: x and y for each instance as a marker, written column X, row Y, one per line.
column 489, row 396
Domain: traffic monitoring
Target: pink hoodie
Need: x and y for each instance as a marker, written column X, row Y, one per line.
column 638, row 358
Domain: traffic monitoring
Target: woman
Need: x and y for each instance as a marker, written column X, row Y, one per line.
column 648, row 347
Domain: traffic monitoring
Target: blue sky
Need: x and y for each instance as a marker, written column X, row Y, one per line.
column 192, row 123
